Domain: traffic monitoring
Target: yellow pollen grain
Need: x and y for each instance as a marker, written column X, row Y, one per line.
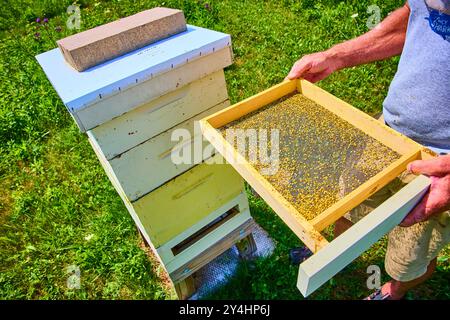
column 322, row 157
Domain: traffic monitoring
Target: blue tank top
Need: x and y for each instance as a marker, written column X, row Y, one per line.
column 418, row 101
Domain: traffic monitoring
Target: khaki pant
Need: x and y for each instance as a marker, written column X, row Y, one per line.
column 411, row 249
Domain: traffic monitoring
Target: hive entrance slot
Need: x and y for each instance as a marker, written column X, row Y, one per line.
column 205, row 230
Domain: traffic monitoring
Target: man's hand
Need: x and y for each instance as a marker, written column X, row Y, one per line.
column 382, row 42
column 437, row 200
column 314, row 67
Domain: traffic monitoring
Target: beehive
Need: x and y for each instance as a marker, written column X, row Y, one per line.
column 129, row 108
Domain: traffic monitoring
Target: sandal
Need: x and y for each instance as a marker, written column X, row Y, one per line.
column 299, row 254
column 378, row 295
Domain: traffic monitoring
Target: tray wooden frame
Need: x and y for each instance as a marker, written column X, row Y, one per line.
column 309, row 230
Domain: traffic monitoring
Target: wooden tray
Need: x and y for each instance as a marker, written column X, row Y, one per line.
column 309, row 230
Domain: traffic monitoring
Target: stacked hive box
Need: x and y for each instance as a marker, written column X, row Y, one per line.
column 129, row 107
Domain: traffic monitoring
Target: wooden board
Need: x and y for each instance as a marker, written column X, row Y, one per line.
column 309, row 231
column 323, row 265
column 185, row 288
column 137, row 126
column 185, row 200
column 149, row 165
column 97, row 45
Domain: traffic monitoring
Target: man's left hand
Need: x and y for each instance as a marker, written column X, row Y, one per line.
column 437, row 200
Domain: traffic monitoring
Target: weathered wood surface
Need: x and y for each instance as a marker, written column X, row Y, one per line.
column 109, row 108
column 219, row 241
column 247, row 247
column 165, row 251
column 185, row 288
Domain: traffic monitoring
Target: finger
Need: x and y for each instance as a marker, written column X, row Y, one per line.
column 314, row 77
column 417, row 214
column 435, row 201
column 435, row 167
column 438, row 200
column 299, row 68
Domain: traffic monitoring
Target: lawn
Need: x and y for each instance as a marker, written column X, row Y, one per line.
column 57, row 207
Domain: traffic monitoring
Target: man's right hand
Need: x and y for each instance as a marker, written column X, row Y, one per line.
column 314, row 67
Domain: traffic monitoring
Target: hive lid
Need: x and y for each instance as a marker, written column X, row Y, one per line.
column 81, row 89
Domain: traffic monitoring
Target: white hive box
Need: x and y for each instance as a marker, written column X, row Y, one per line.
column 113, row 88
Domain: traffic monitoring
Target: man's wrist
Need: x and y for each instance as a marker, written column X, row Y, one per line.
column 335, row 58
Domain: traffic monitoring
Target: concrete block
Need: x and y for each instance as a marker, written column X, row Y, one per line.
column 95, row 46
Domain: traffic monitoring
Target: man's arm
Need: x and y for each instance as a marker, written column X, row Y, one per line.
column 384, row 41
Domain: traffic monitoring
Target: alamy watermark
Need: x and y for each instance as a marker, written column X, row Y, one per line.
column 74, row 277
column 261, row 147
column 375, row 16
column 74, row 20
column 374, row 280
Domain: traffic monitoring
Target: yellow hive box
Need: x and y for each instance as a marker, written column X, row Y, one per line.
column 187, row 199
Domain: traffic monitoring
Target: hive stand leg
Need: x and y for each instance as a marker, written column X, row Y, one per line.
column 247, row 247
column 185, row 288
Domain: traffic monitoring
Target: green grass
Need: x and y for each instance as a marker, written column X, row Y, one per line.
column 57, row 207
